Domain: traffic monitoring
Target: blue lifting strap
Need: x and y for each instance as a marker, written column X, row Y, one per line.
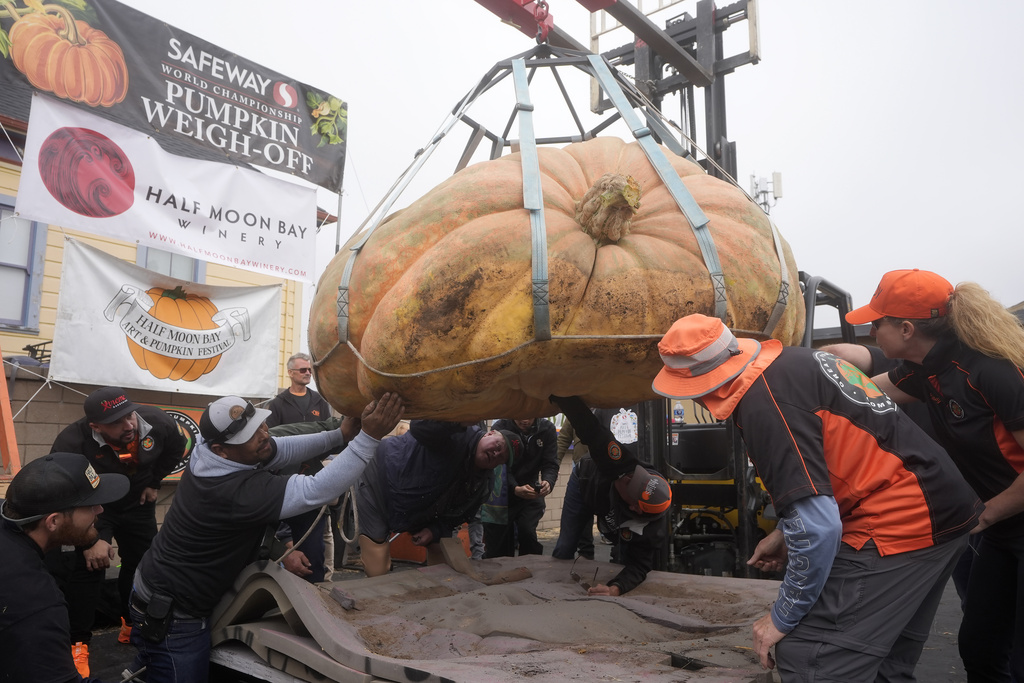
column 684, row 200
column 783, row 299
column 533, row 201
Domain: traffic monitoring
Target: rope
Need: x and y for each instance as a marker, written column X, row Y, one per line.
column 47, row 383
column 350, row 496
column 760, row 336
column 296, row 544
column 13, row 146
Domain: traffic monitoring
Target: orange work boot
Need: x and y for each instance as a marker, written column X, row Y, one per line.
column 80, row 653
column 125, row 636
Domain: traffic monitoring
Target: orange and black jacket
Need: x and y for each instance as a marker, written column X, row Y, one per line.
column 815, row 425
column 975, row 403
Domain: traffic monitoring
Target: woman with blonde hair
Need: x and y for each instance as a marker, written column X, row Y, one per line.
column 963, row 353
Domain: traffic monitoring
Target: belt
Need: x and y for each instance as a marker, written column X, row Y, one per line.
column 138, row 604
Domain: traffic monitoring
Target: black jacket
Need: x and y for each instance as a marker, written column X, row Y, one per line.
column 640, row 537
column 432, row 481
column 34, row 629
column 540, row 453
column 162, row 444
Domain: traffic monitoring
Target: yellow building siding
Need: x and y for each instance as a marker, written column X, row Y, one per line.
column 12, row 342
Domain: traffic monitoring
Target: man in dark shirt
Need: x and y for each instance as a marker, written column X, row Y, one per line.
column 426, row 482
column 529, row 479
column 299, row 403
column 229, row 494
column 144, row 444
column 629, row 498
column 52, row 501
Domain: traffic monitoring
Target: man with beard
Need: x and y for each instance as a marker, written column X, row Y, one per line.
column 144, row 444
column 52, row 501
column 225, row 509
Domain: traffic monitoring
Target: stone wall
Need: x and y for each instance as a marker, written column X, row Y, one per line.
column 42, row 409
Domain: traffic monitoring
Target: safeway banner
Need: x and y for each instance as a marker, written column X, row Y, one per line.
column 153, row 77
column 123, row 325
column 85, row 172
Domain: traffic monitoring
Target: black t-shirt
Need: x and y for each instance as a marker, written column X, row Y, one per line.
column 975, row 403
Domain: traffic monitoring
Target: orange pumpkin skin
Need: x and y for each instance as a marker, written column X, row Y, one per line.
column 94, row 72
column 177, row 308
column 448, row 280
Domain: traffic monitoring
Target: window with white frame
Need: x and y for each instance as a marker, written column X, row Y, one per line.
column 22, row 255
column 167, row 263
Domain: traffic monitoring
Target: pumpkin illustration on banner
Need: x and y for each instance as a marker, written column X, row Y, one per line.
column 65, row 56
column 177, row 309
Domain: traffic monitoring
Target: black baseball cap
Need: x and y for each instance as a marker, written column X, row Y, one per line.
column 107, row 405
column 60, row 481
column 514, row 443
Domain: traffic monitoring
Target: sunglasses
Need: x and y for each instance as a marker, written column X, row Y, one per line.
column 302, row 370
column 238, row 424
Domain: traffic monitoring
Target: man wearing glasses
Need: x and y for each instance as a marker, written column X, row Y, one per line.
column 298, row 403
column 229, row 499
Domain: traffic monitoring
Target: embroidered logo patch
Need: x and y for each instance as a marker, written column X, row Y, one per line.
column 90, row 474
column 854, row 384
column 614, row 451
column 956, row 409
column 147, row 443
column 625, row 534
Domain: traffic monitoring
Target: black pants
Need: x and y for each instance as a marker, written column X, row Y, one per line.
column 313, row 546
column 502, row 540
column 992, row 632
column 134, row 530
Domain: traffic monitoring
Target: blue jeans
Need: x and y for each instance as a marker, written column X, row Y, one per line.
column 182, row 657
column 576, row 517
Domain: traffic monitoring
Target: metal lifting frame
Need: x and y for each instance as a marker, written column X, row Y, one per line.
column 650, row 133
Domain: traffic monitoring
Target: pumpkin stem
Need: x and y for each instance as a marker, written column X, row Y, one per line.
column 14, row 12
column 606, row 210
column 70, row 31
column 176, row 293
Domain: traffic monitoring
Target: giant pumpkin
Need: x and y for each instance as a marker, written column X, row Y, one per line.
column 447, row 282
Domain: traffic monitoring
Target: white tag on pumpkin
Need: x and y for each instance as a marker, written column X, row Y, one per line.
column 623, row 426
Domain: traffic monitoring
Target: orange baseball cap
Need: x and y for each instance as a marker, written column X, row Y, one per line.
column 910, row 294
column 700, row 355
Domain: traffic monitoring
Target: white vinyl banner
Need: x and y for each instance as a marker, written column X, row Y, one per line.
column 82, row 171
column 122, row 325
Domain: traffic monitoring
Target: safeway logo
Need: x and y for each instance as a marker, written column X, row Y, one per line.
column 285, row 95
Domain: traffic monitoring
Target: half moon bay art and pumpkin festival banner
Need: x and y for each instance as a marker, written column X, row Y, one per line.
column 121, row 324
column 196, row 98
column 85, row 172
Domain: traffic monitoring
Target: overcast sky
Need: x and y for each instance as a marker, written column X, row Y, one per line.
column 897, row 126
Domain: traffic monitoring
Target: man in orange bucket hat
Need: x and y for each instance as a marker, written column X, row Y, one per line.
column 864, row 542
